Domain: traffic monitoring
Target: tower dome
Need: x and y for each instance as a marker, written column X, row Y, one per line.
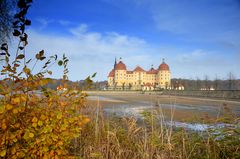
column 120, row 66
column 163, row 66
column 111, row 74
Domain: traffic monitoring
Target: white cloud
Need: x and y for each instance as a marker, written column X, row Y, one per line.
column 64, row 22
column 80, row 30
column 43, row 22
column 88, row 51
column 110, row 38
column 91, row 52
column 192, row 56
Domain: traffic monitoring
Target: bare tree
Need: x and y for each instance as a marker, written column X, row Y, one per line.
column 198, row 84
column 216, row 83
column 231, row 81
column 206, row 82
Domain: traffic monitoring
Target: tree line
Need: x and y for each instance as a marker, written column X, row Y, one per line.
column 230, row 83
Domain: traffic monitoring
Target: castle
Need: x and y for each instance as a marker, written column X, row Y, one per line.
column 154, row 79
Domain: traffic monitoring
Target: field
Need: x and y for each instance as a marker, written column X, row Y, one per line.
column 183, row 107
column 127, row 125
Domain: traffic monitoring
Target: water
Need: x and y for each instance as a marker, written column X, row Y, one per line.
column 138, row 108
column 101, row 98
column 136, row 112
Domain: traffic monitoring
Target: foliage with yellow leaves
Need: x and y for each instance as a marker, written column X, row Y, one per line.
column 35, row 125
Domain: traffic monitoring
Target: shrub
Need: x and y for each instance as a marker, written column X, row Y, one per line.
column 35, row 124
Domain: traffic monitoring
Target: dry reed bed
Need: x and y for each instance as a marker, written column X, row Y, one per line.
column 111, row 137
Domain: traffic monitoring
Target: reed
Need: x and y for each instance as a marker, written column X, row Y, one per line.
column 110, row 136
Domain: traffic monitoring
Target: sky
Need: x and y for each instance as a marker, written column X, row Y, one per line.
column 197, row 38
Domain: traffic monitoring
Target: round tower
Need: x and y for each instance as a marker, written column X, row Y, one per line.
column 164, row 75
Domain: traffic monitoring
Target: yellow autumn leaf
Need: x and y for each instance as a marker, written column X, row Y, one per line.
column 3, row 153
column 23, row 98
column 86, row 120
column 52, row 114
column 15, row 111
column 21, row 155
column 4, row 126
column 63, row 103
column 43, row 117
column 59, row 115
column 60, row 143
column 34, row 125
column 45, row 149
column 71, row 120
column 59, row 152
column 26, row 135
column 15, row 139
column 31, row 135
column 16, row 100
column 34, row 119
column 14, row 150
column 21, row 109
column 17, row 125
column 51, row 153
column 9, row 106
column 45, row 157
column 26, row 70
column 63, row 127
column 2, row 109
column 40, row 123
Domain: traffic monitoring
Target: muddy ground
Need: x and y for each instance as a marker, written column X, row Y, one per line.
column 180, row 108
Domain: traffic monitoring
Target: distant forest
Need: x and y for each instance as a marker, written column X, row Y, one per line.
column 189, row 84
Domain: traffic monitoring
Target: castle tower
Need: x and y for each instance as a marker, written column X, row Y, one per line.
column 120, row 74
column 164, row 75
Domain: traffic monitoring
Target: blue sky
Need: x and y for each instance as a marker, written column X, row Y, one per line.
column 196, row 37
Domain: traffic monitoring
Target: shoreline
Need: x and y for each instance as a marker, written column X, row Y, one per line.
column 185, row 108
column 167, row 98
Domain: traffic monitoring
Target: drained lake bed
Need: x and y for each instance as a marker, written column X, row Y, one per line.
column 176, row 111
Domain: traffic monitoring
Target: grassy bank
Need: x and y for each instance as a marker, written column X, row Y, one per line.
column 123, row 138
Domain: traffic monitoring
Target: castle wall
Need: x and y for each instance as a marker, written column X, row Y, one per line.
column 164, row 78
column 120, row 77
column 137, row 79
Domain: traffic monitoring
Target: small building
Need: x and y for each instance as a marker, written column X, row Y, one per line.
column 207, row 89
column 148, row 87
column 60, row 88
column 177, row 86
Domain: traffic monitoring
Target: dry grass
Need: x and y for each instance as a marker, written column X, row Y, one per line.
column 110, row 137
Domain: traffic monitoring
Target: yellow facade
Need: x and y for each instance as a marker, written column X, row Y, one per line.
column 120, row 78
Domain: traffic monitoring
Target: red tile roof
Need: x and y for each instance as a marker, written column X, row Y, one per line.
column 111, row 74
column 120, row 66
column 152, row 71
column 139, row 69
column 163, row 67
